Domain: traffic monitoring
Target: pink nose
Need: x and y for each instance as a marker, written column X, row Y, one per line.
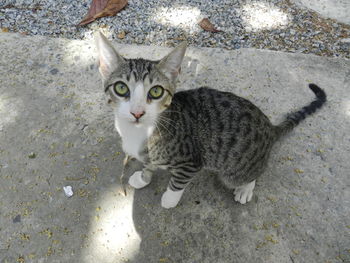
column 138, row 115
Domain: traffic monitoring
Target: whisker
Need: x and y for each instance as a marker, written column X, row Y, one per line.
column 168, row 121
column 160, row 134
column 164, row 127
column 171, row 111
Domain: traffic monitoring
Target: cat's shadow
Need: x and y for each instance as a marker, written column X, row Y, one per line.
column 205, row 221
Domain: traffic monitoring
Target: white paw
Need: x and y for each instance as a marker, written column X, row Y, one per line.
column 171, row 198
column 136, row 180
column 244, row 193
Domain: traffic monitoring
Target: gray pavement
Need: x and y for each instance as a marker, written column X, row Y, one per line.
column 56, row 129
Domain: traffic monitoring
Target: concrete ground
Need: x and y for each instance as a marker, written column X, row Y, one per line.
column 56, row 129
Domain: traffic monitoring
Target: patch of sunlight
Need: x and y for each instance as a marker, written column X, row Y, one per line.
column 260, row 16
column 347, row 108
column 184, row 17
column 89, row 34
column 83, row 53
column 8, row 110
column 112, row 237
column 79, row 53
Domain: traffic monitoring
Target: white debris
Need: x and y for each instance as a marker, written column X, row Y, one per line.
column 68, row 190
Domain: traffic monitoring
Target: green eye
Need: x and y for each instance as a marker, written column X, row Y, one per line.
column 121, row 89
column 156, row 92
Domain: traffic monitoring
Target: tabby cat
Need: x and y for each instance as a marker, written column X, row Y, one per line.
column 186, row 131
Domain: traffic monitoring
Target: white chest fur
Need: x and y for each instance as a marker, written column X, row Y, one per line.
column 133, row 138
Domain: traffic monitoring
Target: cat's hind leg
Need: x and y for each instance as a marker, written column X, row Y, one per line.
column 244, row 193
column 179, row 180
column 142, row 178
column 171, row 198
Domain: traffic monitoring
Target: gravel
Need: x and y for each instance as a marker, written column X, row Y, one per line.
column 274, row 24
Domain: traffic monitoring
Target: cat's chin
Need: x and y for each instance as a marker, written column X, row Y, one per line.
column 137, row 124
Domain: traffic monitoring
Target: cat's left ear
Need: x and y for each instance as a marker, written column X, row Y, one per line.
column 171, row 64
column 109, row 59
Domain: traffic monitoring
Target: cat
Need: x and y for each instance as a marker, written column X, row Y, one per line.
column 191, row 130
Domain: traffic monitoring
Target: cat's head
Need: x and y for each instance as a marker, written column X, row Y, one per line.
column 140, row 89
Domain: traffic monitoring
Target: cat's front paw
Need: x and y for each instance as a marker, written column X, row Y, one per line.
column 136, row 180
column 244, row 193
column 171, row 198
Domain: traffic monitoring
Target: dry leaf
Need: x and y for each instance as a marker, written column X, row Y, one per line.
column 5, row 29
column 208, row 26
column 298, row 171
column 121, row 35
column 101, row 8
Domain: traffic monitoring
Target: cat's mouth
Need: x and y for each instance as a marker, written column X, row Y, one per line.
column 137, row 123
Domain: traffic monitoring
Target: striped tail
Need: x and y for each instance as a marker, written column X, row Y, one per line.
column 294, row 118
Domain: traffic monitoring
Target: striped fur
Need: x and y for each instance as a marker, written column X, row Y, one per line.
column 294, row 118
column 219, row 131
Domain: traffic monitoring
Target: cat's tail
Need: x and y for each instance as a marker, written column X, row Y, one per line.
column 294, row 118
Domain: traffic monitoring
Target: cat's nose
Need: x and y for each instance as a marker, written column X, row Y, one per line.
column 138, row 115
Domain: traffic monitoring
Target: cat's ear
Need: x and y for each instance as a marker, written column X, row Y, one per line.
column 109, row 59
column 171, row 64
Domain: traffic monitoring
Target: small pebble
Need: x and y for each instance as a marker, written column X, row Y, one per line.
column 17, row 219
column 32, row 155
column 68, row 191
column 54, row 71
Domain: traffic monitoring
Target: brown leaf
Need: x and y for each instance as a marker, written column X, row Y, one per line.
column 121, row 35
column 101, row 8
column 208, row 26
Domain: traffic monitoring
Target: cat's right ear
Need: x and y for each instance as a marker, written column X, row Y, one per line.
column 109, row 59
